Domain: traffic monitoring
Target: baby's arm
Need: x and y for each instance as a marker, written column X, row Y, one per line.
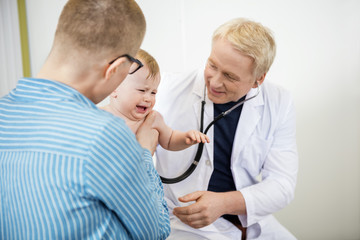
column 174, row 140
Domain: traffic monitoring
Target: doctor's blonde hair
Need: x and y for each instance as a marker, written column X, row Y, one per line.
column 251, row 39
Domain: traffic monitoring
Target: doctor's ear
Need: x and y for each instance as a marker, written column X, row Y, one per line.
column 259, row 81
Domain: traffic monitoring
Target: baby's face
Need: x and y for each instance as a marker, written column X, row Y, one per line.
column 135, row 96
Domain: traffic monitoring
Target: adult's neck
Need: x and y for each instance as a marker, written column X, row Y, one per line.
column 81, row 77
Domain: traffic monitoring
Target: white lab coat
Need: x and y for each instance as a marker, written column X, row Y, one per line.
column 264, row 160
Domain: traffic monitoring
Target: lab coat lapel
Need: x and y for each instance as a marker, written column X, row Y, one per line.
column 198, row 90
column 249, row 118
column 208, row 117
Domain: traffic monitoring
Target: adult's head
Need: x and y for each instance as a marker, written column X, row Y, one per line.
column 90, row 34
column 242, row 53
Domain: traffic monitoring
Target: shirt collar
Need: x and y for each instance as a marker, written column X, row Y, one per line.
column 28, row 88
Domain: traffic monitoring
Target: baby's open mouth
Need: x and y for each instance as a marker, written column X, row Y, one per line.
column 141, row 109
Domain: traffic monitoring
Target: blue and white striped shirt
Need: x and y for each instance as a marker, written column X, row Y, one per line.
column 69, row 170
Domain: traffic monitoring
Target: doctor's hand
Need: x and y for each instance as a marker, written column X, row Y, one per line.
column 208, row 207
column 146, row 135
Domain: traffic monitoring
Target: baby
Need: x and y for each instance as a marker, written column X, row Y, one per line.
column 134, row 99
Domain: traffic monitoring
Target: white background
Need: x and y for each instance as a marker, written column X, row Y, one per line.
column 318, row 60
column 10, row 50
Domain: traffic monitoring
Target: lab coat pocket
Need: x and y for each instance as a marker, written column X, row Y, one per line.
column 254, row 154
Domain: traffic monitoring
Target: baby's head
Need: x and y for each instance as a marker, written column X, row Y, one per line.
column 134, row 98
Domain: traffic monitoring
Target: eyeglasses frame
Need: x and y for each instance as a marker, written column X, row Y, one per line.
column 131, row 59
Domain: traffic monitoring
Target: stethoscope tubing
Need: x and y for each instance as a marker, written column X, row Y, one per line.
column 199, row 151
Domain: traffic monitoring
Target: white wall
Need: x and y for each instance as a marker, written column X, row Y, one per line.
column 318, row 60
column 10, row 48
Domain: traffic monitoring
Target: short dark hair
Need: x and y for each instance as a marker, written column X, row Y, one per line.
column 101, row 26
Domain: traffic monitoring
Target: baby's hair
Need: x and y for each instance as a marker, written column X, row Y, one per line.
column 149, row 61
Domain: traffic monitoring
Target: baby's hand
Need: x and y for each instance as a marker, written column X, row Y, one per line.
column 194, row 136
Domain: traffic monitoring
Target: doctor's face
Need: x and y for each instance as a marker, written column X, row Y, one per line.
column 228, row 73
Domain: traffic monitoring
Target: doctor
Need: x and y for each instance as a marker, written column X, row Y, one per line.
column 248, row 171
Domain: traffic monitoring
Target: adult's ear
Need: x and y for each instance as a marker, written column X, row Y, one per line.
column 117, row 65
column 259, row 81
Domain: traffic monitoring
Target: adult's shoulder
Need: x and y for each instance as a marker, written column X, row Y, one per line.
column 107, row 121
column 278, row 100
column 176, row 89
column 102, row 125
column 275, row 92
column 113, row 138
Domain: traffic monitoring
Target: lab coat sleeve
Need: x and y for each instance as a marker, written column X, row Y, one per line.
column 279, row 172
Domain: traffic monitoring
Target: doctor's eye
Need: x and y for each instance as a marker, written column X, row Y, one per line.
column 212, row 66
column 230, row 77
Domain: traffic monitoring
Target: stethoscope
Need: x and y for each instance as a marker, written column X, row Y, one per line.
column 201, row 145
